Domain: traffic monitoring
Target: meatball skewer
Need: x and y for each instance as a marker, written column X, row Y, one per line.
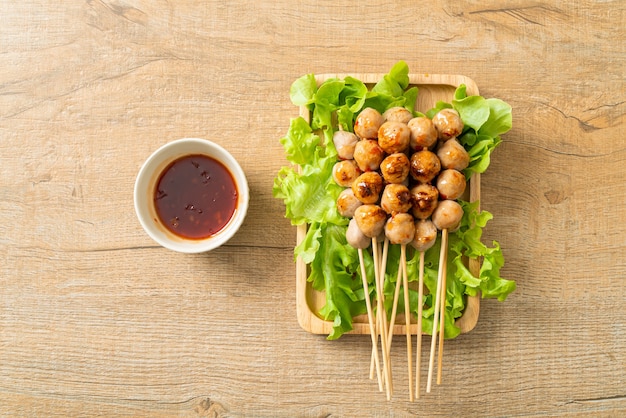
column 367, row 223
column 371, row 219
column 447, row 216
column 355, row 238
column 400, row 229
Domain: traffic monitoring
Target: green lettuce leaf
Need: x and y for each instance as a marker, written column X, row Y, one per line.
column 333, row 271
column 467, row 242
column 474, row 111
column 309, row 194
column 500, row 118
column 485, row 120
column 395, row 82
column 300, row 143
column 302, row 90
column 353, row 94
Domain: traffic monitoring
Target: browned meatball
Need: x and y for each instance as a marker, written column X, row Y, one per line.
column 453, row 155
column 448, row 124
column 367, row 123
column 425, row 166
column 347, row 203
column 396, row 198
column 345, row 172
column 424, row 198
column 370, row 219
column 367, row 187
column 451, row 184
column 447, row 215
column 344, row 144
column 400, row 228
column 395, row 168
column 423, row 133
column 425, row 235
column 394, row 137
column 368, row 155
column 398, row 114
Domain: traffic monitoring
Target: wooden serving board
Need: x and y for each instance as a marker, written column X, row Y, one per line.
column 432, row 88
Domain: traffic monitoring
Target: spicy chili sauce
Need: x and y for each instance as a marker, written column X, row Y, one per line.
column 195, row 196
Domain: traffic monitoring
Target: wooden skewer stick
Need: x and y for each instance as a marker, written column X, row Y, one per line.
column 383, row 265
column 407, row 314
column 402, row 280
column 433, row 342
column 420, row 309
column 377, row 319
column 383, row 271
column 381, row 312
column 370, row 318
column 372, row 362
column 394, row 311
column 442, row 314
column 384, row 321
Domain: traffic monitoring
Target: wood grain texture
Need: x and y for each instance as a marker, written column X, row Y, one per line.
column 96, row 319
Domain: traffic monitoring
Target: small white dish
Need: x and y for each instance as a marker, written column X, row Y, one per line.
column 146, row 184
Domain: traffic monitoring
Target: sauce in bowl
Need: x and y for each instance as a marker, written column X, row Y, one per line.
column 195, row 197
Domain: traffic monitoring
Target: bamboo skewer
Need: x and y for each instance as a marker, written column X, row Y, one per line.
column 370, row 318
column 381, row 312
column 374, row 350
column 420, row 309
column 376, row 334
column 407, row 313
column 442, row 313
column 383, row 263
column 402, row 279
column 394, row 312
column 382, row 273
column 433, row 342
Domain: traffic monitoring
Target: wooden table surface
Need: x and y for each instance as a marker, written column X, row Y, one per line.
column 97, row 319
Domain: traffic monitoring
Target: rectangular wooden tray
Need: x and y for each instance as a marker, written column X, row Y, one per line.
column 432, row 88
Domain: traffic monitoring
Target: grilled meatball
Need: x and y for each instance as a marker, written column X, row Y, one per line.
column 395, row 168
column 370, row 219
column 451, row 184
column 367, row 123
column 400, row 228
column 448, row 124
column 424, row 198
column 398, row 114
column 423, row 133
column 367, row 187
column 344, row 144
column 355, row 237
column 447, row 215
column 396, row 198
column 368, row 155
column 425, row 166
column 453, row 155
column 394, row 137
column 425, row 235
column 345, row 172
column 347, row 203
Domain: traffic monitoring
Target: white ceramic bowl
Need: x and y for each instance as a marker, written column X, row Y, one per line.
column 149, row 175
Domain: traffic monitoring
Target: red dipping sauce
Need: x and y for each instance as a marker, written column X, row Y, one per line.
column 195, row 197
